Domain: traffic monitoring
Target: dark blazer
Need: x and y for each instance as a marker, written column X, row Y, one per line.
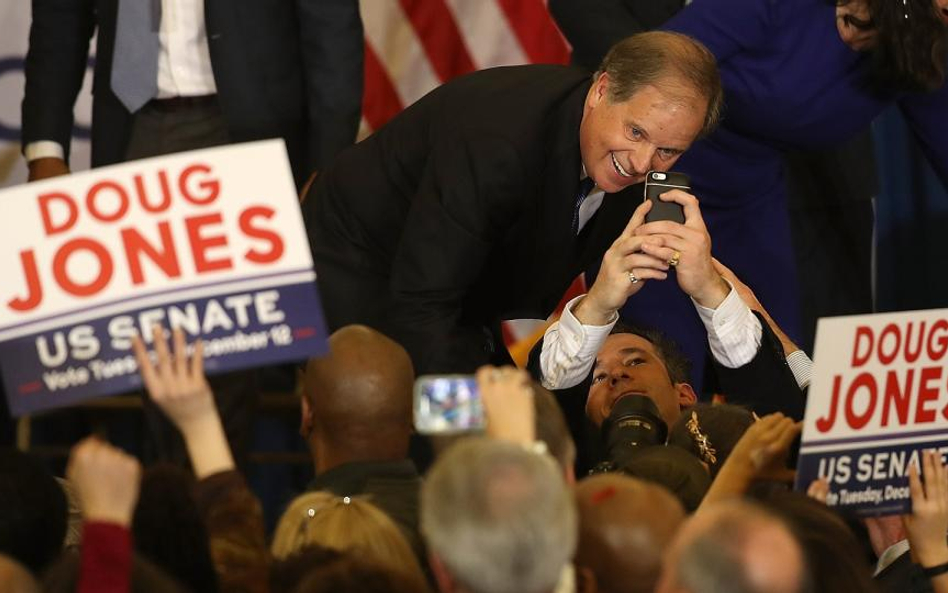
column 287, row 68
column 765, row 385
column 458, row 214
column 593, row 26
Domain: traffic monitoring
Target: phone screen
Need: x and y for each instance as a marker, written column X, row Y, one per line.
column 447, row 403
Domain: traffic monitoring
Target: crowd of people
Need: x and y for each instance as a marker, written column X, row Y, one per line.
column 497, row 512
column 599, row 468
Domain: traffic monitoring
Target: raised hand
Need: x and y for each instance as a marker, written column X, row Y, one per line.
column 927, row 525
column 689, row 245
column 177, row 385
column 625, row 269
column 507, row 395
column 105, row 479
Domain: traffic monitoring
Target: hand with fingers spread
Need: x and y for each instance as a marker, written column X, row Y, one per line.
column 507, row 395
column 686, row 247
column 177, row 385
column 105, row 480
column 624, row 271
column 760, row 454
column 927, row 525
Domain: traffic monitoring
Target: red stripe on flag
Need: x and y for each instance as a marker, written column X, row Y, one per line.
column 380, row 101
column 440, row 37
column 536, row 31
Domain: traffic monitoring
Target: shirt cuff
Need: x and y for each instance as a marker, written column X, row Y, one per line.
column 801, row 366
column 43, row 149
column 734, row 332
column 583, row 340
column 570, row 348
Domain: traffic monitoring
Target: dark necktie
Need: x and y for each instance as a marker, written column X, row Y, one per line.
column 585, row 186
column 135, row 59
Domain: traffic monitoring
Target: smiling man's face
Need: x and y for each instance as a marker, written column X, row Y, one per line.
column 620, row 142
column 629, row 365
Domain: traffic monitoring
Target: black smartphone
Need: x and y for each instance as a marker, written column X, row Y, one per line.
column 659, row 182
column 447, row 404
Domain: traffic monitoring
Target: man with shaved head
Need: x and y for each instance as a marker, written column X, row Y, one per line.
column 625, row 524
column 734, row 546
column 357, row 418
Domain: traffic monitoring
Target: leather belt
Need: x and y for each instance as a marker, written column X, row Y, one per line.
column 183, row 103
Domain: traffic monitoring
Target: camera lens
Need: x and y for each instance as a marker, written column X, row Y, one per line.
column 633, row 423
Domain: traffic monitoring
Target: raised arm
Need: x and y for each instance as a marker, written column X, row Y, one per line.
column 175, row 381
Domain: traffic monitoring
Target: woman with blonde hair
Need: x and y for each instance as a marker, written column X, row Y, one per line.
column 345, row 524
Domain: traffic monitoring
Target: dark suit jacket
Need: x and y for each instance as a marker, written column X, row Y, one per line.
column 593, row 26
column 903, row 576
column 288, row 68
column 765, row 385
column 458, row 213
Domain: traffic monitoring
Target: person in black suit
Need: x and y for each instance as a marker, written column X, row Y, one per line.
column 270, row 69
column 463, row 210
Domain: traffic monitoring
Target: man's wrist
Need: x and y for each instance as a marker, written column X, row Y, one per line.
column 714, row 294
column 588, row 312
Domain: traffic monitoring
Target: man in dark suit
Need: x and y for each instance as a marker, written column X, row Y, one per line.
column 468, row 208
column 240, row 70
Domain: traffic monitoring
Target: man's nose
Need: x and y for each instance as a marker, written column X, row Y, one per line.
column 641, row 158
column 617, row 374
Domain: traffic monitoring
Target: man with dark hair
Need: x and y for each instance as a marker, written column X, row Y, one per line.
column 357, row 419
column 485, row 199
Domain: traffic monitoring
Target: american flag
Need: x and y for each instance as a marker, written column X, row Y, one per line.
column 412, row 46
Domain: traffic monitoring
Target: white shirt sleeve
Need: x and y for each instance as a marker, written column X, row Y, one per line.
column 570, row 348
column 42, row 149
column 801, row 366
column 734, row 332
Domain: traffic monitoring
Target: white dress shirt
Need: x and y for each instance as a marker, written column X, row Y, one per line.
column 184, row 63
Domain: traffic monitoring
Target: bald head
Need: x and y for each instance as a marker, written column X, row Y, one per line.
column 625, row 524
column 734, row 546
column 360, row 395
column 14, row 578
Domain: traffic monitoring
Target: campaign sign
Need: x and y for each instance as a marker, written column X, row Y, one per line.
column 878, row 398
column 209, row 241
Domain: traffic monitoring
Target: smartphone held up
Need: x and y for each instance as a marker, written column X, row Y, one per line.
column 447, row 404
column 659, row 182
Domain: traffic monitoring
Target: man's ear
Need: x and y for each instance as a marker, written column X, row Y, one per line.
column 599, row 90
column 686, row 395
column 306, row 417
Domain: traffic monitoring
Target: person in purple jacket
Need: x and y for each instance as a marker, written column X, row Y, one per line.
column 799, row 75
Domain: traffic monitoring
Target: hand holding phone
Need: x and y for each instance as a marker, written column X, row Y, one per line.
column 659, row 182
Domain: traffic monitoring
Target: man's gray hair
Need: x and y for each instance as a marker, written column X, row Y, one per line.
column 499, row 517
column 665, row 60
